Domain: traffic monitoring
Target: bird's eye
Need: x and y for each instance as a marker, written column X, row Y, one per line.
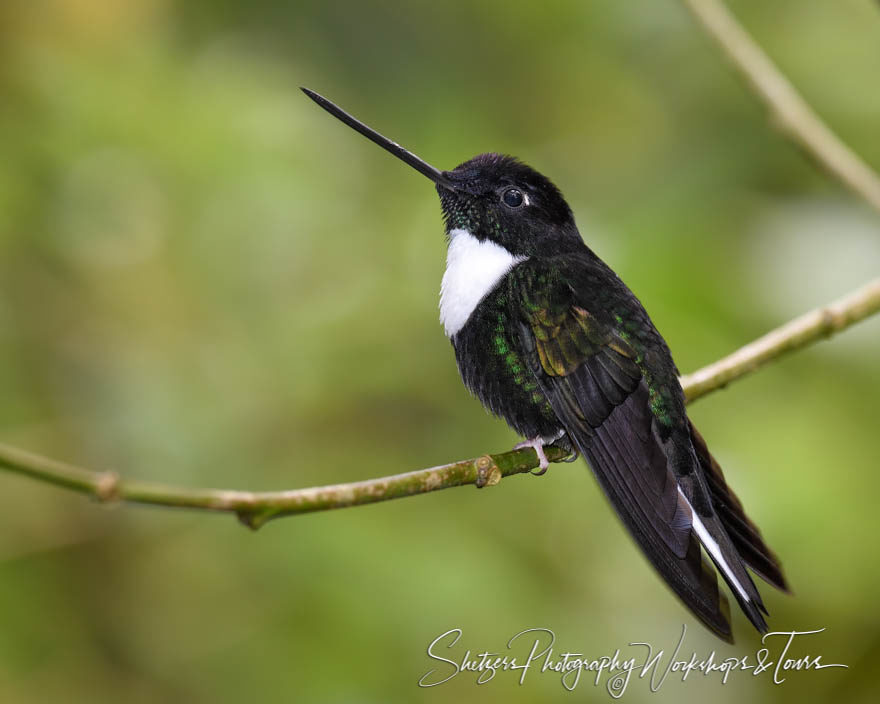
column 513, row 198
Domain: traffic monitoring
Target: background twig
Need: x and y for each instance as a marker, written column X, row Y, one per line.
column 256, row 508
column 790, row 111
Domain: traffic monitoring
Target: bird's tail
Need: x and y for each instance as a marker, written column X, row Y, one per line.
column 744, row 536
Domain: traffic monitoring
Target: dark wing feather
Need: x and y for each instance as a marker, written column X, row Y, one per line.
column 621, row 468
column 590, row 377
column 634, row 432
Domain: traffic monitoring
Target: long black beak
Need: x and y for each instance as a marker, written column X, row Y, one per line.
column 404, row 155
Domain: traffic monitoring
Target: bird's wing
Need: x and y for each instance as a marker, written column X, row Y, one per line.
column 592, row 376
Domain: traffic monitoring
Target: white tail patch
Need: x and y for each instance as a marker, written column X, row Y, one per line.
column 473, row 269
column 711, row 546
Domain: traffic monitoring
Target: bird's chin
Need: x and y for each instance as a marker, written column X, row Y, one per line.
column 454, row 233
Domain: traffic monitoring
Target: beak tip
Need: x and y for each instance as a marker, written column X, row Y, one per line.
column 311, row 94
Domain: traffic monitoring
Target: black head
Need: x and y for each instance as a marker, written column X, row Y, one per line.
column 497, row 197
column 491, row 196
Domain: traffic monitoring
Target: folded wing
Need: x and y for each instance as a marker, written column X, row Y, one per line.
column 593, row 379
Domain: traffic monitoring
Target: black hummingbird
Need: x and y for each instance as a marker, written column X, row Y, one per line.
column 549, row 338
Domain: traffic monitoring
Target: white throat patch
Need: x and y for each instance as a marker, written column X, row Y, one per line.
column 473, row 268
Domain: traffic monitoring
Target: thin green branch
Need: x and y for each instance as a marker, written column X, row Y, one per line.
column 802, row 331
column 790, row 112
column 256, row 508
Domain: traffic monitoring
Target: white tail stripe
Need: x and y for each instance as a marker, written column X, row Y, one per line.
column 711, row 546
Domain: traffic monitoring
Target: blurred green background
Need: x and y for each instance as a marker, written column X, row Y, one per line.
column 206, row 280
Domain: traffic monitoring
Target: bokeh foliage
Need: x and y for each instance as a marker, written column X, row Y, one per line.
column 206, row 280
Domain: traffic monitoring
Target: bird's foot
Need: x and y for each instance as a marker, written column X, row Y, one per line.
column 572, row 456
column 537, row 444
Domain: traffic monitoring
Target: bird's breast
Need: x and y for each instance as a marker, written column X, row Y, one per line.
column 473, row 268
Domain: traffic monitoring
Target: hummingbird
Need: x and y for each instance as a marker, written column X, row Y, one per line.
column 550, row 339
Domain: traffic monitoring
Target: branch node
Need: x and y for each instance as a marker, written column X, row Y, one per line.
column 831, row 321
column 488, row 473
column 253, row 519
column 107, row 487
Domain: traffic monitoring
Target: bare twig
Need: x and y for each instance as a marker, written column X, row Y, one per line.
column 256, row 508
column 790, row 111
column 818, row 323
